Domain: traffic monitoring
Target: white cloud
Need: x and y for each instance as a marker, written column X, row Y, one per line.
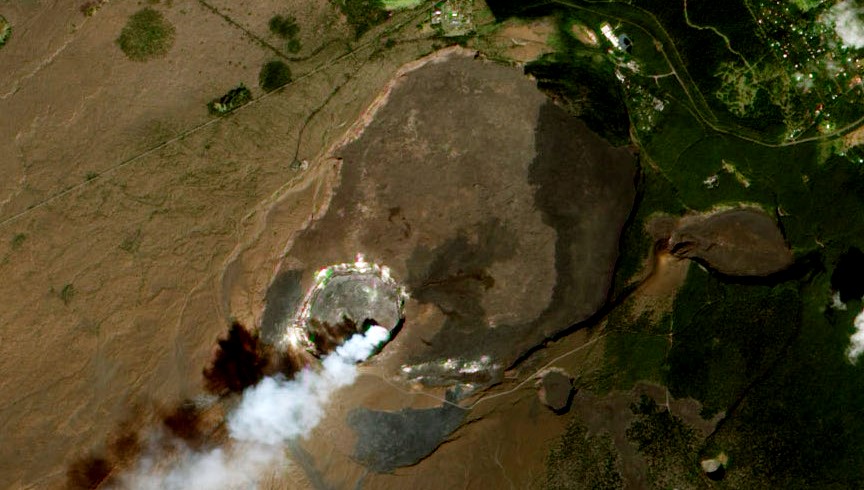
column 856, row 342
column 277, row 410
column 270, row 414
column 845, row 18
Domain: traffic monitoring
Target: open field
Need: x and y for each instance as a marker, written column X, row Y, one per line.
column 123, row 202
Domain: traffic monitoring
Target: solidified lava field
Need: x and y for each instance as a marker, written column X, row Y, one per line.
column 501, row 215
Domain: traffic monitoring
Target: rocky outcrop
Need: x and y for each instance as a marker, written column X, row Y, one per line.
column 735, row 242
column 501, row 215
column 498, row 211
column 555, row 390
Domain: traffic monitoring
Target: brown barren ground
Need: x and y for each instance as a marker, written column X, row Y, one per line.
column 135, row 228
column 129, row 202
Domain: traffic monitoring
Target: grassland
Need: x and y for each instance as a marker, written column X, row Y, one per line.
column 5, row 30
column 146, row 35
column 363, row 15
column 174, row 194
column 401, row 4
column 580, row 460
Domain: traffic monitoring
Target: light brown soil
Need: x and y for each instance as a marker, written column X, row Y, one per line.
column 584, row 34
column 188, row 220
column 656, row 293
column 519, row 41
column 854, row 138
column 145, row 245
column 528, row 41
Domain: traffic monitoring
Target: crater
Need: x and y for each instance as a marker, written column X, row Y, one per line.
column 345, row 299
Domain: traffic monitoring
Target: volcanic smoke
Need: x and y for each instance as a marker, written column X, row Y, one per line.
column 270, row 414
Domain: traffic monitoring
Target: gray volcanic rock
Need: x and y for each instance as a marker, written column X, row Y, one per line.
column 496, row 209
column 487, row 201
column 555, row 390
column 736, row 242
column 389, row 440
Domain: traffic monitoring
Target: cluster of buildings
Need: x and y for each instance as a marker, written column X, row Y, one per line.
column 453, row 17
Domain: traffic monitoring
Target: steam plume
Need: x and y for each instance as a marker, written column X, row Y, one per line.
column 856, row 341
column 269, row 415
column 845, row 17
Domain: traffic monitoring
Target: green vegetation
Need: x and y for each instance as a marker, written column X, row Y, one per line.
column 5, row 30
column 633, row 351
column 773, row 358
column 235, row 98
column 363, row 15
column 67, row 293
column 286, row 28
column 584, row 85
column 798, row 427
column 147, row 35
column 667, row 443
column 400, row 4
column 18, row 240
column 90, row 8
column 655, row 195
column 805, row 5
column 274, row 74
column 726, row 336
column 131, row 242
column 580, row 461
column 712, row 115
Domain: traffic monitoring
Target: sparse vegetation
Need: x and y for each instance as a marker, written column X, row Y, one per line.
column 67, row 293
column 273, row 75
column 131, row 243
column 5, row 30
column 91, row 7
column 18, row 240
column 667, row 443
column 233, row 99
column 363, row 14
column 286, row 28
column 401, row 4
column 580, row 460
column 147, row 35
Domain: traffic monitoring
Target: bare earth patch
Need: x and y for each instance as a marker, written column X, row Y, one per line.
column 121, row 188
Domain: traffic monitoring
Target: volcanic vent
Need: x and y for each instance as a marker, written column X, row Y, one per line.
column 346, row 299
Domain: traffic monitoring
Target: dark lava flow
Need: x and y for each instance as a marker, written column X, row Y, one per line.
column 846, row 277
column 496, row 208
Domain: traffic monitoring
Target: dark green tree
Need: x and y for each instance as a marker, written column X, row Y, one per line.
column 274, row 74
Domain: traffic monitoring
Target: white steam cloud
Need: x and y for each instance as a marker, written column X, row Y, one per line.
column 856, row 341
column 845, row 18
column 270, row 414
